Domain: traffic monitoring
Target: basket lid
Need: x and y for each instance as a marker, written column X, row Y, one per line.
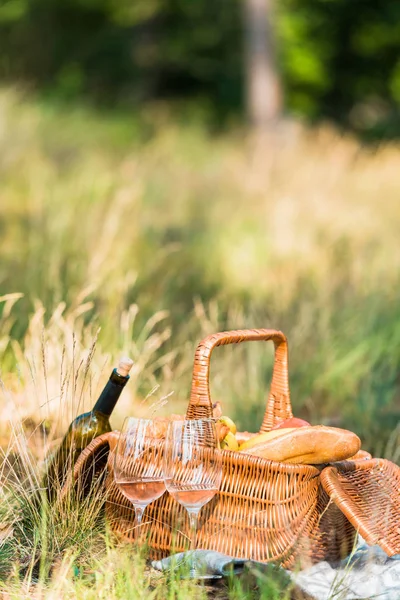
column 367, row 493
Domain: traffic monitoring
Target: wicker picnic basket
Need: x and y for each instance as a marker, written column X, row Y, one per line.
column 265, row 510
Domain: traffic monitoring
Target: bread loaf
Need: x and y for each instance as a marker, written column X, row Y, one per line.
column 309, row 445
column 262, row 438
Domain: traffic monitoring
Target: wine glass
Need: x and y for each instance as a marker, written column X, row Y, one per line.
column 192, row 468
column 138, row 462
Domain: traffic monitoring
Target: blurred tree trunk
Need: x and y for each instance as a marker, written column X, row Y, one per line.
column 263, row 87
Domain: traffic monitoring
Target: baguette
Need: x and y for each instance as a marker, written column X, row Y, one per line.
column 262, row 438
column 309, row 445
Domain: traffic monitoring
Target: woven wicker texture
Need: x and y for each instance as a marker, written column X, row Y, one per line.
column 246, row 519
column 368, row 493
column 278, row 404
column 91, row 468
column 264, row 510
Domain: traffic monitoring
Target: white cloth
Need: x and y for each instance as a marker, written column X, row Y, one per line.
column 368, row 573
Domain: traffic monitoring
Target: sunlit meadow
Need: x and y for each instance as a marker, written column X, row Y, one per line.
column 143, row 234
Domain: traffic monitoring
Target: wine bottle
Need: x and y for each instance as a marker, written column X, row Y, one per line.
column 84, row 429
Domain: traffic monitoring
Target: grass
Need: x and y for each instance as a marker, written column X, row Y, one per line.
column 141, row 235
column 67, row 552
column 105, row 226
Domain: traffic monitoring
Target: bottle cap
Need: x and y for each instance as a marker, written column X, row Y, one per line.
column 124, row 366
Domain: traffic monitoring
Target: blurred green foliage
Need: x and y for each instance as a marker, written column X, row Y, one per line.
column 338, row 59
column 169, row 217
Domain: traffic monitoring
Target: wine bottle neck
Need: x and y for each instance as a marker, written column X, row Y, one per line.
column 110, row 394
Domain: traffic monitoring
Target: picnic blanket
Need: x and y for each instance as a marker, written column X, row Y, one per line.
column 367, row 573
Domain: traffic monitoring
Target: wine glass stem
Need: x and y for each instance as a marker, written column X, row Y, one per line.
column 193, row 518
column 139, row 510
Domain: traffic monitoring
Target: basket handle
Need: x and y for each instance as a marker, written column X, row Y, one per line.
column 99, row 448
column 278, row 404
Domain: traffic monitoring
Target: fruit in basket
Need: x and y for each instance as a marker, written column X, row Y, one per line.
column 226, row 429
column 229, row 423
column 263, row 438
column 222, row 431
column 306, row 445
column 291, row 422
column 229, row 442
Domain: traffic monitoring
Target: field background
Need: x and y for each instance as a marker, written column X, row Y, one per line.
column 140, row 236
column 148, row 235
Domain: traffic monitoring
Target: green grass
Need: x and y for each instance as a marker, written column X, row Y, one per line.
column 106, row 222
column 64, row 550
column 141, row 235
